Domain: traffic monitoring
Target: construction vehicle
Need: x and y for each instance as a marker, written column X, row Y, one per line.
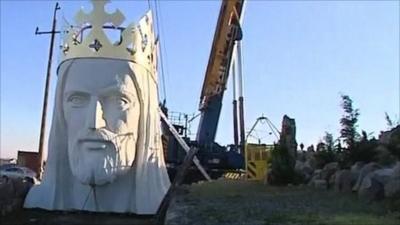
column 212, row 156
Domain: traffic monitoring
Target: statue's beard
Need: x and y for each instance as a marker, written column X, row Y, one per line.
column 98, row 157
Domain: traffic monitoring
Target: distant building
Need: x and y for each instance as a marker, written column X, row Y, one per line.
column 28, row 159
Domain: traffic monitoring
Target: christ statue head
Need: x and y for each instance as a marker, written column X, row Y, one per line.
column 105, row 152
column 101, row 111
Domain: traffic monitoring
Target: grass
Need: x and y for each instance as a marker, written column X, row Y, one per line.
column 340, row 219
column 240, row 202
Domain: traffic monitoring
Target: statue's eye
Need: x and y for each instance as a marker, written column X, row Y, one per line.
column 120, row 101
column 77, row 100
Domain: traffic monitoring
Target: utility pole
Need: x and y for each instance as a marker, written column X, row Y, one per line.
column 46, row 90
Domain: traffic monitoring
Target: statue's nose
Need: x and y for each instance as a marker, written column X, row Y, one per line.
column 96, row 116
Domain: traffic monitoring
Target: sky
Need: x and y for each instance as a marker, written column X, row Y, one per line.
column 298, row 58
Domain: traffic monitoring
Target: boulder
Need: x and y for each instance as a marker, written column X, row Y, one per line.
column 304, row 170
column 355, row 170
column 392, row 189
column 396, row 171
column 310, row 160
column 12, row 194
column 288, row 135
column 320, row 184
column 331, row 181
column 392, row 186
column 329, row 169
column 343, row 181
column 6, row 189
column 315, row 176
column 382, row 175
column 366, row 169
column 21, row 187
column 370, row 188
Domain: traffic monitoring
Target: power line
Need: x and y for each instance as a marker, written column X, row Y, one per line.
column 157, row 9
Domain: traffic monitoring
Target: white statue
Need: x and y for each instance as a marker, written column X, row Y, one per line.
column 105, row 152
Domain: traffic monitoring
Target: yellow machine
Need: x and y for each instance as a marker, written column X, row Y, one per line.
column 256, row 160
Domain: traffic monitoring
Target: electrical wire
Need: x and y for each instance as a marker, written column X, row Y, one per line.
column 157, row 10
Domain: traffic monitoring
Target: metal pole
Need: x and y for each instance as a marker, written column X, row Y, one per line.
column 235, row 109
column 46, row 93
column 241, row 100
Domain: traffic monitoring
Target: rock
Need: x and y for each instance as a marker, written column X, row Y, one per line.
column 386, row 136
column 370, row 189
column 310, row 160
column 392, row 189
column 21, row 187
column 331, row 181
column 6, row 190
column 343, row 181
column 304, row 170
column 366, row 169
column 298, row 166
column 288, row 135
column 320, row 184
column 355, row 170
column 315, row 176
column 396, row 171
column 12, row 194
column 392, row 186
column 329, row 169
column 382, row 175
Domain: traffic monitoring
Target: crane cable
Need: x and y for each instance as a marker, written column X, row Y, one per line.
column 162, row 51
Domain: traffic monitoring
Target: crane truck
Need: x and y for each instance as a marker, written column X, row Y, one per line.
column 213, row 157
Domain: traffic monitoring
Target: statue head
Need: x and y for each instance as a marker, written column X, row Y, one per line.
column 101, row 110
column 105, row 152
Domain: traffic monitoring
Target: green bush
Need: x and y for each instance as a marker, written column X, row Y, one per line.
column 394, row 142
column 364, row 150
column 281, row 166
column 324, row 157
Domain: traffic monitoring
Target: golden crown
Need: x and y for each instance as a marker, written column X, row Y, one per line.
column 136, row 43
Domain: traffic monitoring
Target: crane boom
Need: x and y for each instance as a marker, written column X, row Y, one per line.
column 226, row 33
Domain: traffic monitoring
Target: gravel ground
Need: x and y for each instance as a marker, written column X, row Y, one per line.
column 240, row 202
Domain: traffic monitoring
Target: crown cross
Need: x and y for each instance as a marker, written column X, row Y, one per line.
column 133, row 38
column 98, row 17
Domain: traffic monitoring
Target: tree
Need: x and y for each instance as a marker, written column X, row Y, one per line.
column 325, row 153
column 281, row 166
column 365, row 149
column 389, row 121
column 328, row 141
column 349, row 122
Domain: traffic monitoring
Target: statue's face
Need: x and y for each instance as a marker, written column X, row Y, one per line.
column 101, row 109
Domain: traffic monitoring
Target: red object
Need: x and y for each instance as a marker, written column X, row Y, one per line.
column 28, row 159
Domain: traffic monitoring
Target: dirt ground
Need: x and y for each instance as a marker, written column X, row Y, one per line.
column 239, row 202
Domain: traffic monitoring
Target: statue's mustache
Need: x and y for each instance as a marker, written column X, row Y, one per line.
column 103, row 135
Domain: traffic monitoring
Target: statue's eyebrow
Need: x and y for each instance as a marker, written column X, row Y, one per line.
column 120, row 89
column 69, row 93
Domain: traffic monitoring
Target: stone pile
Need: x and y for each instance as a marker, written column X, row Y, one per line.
column 12, row 194
column 370, row 181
